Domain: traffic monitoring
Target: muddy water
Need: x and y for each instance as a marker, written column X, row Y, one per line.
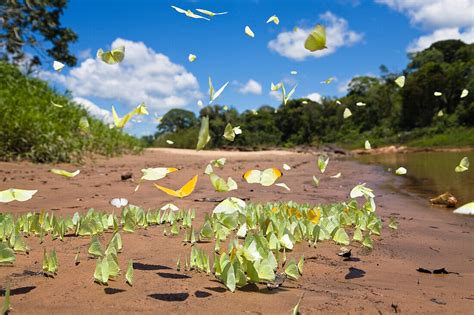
column 430, row 173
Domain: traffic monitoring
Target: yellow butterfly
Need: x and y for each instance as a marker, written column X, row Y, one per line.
column 121, row 122
column 265, row 178
column 274, row 19
column 16, row 194
column 314, row 215
column 184, row 191
column 112, row 57
column 65, row 173
column 189, row 13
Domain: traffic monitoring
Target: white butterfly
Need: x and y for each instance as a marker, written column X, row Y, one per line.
column 119, row 202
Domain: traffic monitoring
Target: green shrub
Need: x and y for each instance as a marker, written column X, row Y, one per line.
column 32, row 128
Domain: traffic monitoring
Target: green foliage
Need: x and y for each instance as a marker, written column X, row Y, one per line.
column 32, row 128
column 176, row 120
column 35, row 24
column 393, row 115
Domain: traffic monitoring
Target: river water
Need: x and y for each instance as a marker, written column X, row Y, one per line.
column 430, row 173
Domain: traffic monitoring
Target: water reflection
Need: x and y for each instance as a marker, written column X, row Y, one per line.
column 431, row 173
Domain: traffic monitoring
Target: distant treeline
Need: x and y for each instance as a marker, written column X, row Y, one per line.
column 392, row 114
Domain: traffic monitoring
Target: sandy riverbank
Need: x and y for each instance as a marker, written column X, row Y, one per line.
column 382, row 281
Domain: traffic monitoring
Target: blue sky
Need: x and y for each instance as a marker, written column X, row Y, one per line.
column 158, row 40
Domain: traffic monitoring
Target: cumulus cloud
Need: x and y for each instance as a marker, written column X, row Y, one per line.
column 425, row 41
column 291, row 44
column 434, row 14
column 344, row 85
column 94, row 110
column 445, row 19
column 251, row 87
column 276, row 95
column 143, row 76
column 315, row 97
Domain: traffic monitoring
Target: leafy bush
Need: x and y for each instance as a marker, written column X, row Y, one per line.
column 32, row 128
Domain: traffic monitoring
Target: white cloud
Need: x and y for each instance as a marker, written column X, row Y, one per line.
column 84, row 54
column 315, row 97
column 291, row 44
column 275, row 95
column 143, row 76
column 445, row 19
column 433, row 14
column 94, row 110
column 344, row 85
column 251, row 87
column 425, row 41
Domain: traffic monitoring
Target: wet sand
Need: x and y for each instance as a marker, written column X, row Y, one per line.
column 384, row 280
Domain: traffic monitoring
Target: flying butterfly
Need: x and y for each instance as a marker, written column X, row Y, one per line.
column 230, row 132
column 113, row 56
column 463, row 165
column 316, row 40
column 210, row 13
column 57, row 66
column 274, row 19
column 249, row 32
column 184, row 191
column 213, row 95
column 65, row 173
column 189, row 13
column 203, row 137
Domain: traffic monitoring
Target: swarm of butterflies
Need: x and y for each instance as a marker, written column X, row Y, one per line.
column 316, row 40
column 107, row 264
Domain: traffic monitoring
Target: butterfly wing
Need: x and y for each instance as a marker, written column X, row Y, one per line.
column 116, row 118
column 316, row 39
column 6, row 196
column 229, row 133
column 219, row 92
column 218, row 183
column 168, row 191
column 269, row 176
column 22, row 194
column 252, row 176
column 188, row 188
column 117, row 54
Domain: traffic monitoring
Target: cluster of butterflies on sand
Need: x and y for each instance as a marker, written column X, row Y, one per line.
column 316, row 40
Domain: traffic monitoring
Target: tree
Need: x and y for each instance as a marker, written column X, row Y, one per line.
column 34, row 27
column 175, row 120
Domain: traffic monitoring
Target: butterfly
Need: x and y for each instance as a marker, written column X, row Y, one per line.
column 121, row 122
column 189, row 13
column 58, row 66
column 170, row 206
column 210, row 13
column 274, row 19
column 264, row 178
column 463, row 165
column 220, row 185
column 64, row 173
column 400, row 81
column 184, row 191
column 230, row 133
column 16, row 194
column 249, row 32
column 347, row 113
column 119, row 202
column 213, row 95
column 203, row 137
column 112, row 57
column 316, row 40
